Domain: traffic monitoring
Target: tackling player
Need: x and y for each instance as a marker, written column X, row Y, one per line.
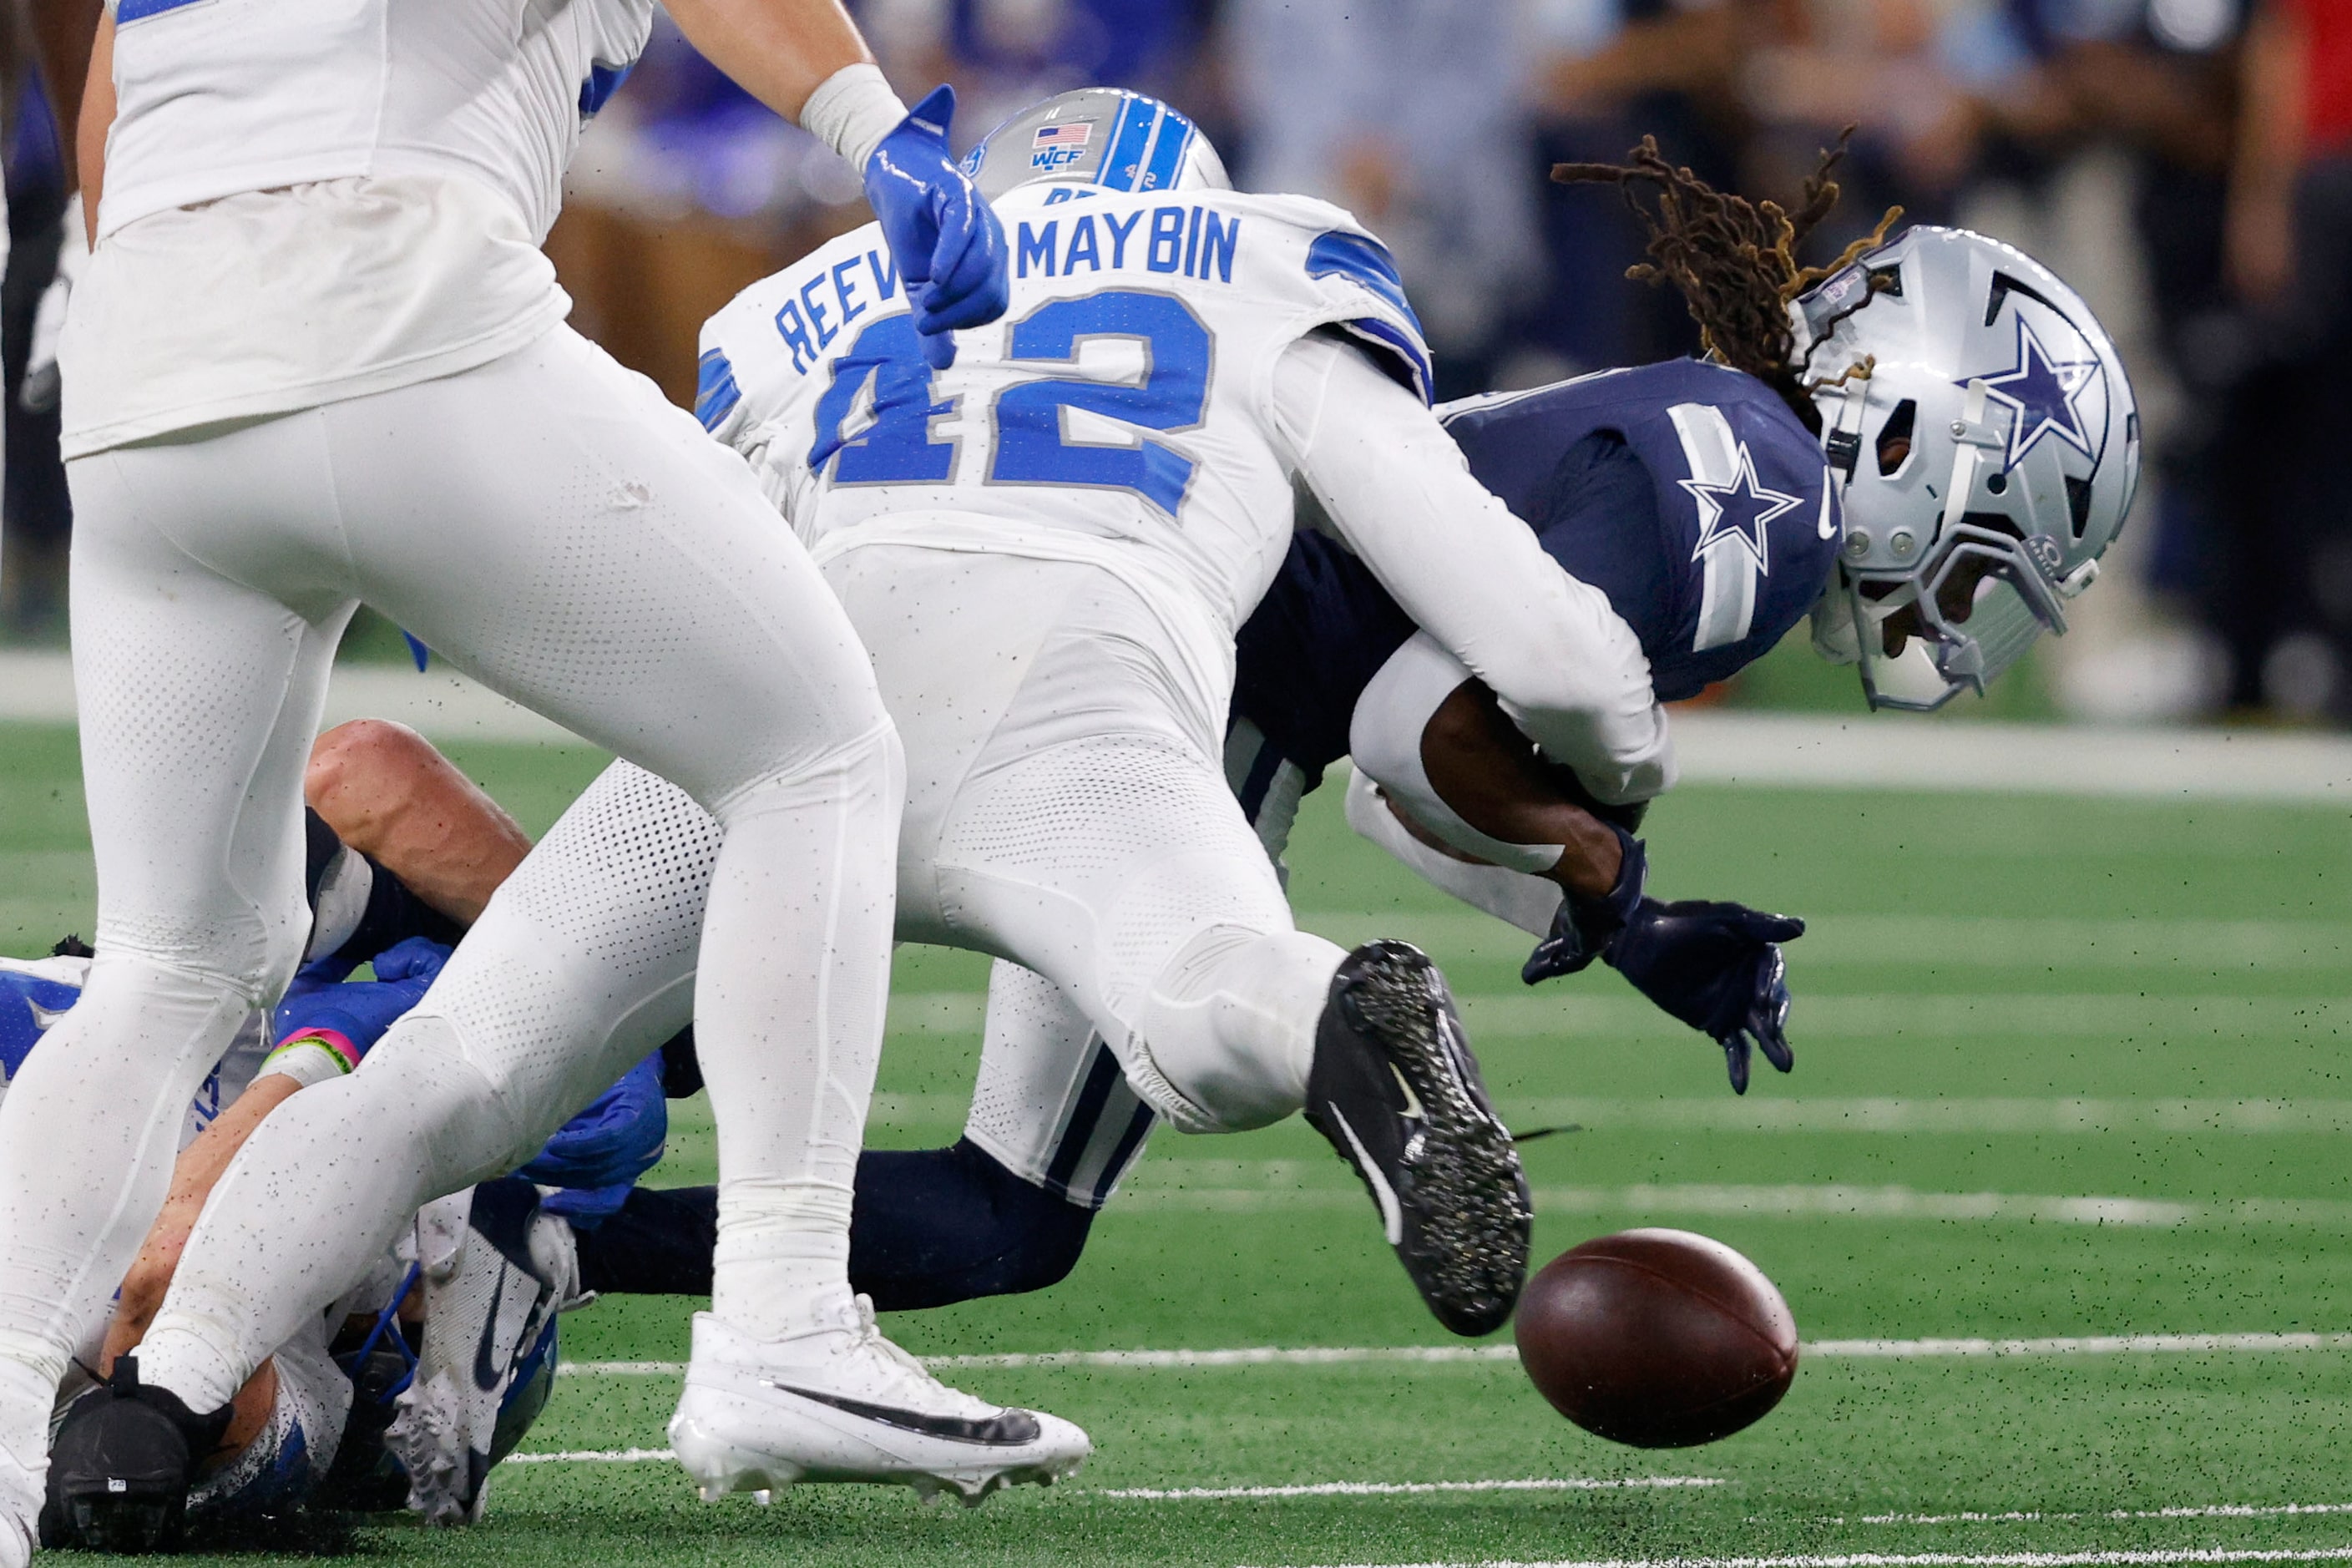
column 1948, row 503
column 317, row 357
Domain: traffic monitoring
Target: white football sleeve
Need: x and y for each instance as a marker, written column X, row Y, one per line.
column 1526, row 902
column 1567, row 668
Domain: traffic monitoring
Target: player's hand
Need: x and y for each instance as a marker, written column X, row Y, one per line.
column 362, row 1010
column 39, row 394
column 945, row 238
column 1718, row 967
column 1583, row 928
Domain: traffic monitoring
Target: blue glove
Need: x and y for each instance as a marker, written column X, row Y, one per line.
column 945, row 238
column 1582, row 928
column 360, row 1010
column 1718, row 967
column 599, row 1154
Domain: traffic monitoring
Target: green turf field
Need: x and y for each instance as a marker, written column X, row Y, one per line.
column 2067, row 1071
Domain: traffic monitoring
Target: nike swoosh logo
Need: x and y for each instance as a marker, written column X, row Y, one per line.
column 487, row 1375
column 43, row 1018
column 1005, row 1429
column 1392, row 1212
column 1413, row 1107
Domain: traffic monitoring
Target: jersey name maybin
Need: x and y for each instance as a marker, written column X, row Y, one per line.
column 1687, row 492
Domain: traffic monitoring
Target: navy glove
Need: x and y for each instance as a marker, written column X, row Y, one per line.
column 1583, row 928
column 360, row 1010
column 598, row 1155
column 946, row 239
column 1718, row 967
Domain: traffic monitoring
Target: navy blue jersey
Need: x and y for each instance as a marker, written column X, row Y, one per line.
column 1686, row 492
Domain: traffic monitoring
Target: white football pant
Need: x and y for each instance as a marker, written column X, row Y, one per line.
column 550, row 524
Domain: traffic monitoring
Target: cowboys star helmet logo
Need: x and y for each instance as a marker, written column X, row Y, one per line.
column 2042, row 393
column 1737, row 510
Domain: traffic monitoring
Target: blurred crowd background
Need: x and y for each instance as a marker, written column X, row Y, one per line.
column 2186, row 164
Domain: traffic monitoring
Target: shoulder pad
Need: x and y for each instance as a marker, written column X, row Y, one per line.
column 1353, row 280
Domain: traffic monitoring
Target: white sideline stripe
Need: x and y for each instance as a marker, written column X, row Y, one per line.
column 593, row 1456
column 1444, row 1356
column 1781, row 750
column 37, row 687
column 1922, row 1560
column 1887, row 751
column 1404, row 1489
column 2208, row 1511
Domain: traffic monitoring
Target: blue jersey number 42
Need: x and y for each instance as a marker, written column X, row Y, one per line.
column 1032, row 444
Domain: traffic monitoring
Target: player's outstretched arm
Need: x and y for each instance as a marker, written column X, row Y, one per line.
column 1563, row 664
column 390, row 795
column 804, row 59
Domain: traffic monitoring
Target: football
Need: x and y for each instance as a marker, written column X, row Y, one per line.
column 1659, row 1339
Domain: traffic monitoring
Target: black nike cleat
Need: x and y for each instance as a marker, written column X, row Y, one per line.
column 121, row 1466
column 1396, row 1091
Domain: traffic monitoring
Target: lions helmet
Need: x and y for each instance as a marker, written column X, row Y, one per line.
column 1986, row 458
column 1097, row 136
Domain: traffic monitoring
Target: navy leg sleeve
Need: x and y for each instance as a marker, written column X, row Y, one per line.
column 931, row 1227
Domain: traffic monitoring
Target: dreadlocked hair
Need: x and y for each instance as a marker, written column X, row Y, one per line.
column 1735, row 261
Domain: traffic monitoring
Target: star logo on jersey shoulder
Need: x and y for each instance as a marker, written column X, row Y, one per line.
column 2041, row 392
column 1739, row 510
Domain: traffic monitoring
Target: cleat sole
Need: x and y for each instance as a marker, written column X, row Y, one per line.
column 1461, row 1176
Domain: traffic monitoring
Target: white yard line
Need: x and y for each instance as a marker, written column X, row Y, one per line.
column 1958, row 1114
column 1283, row 1188
column 1926, row 1560
column 1783, row 1114
column 1884, row 1015
column 1458, row 1355
column 593, row 1456
column 2208, row 1510
column 1404, row 1489
column 1931, row 941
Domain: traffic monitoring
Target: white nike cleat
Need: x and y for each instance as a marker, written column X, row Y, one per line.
column 20, row 1509
column 843, row 1404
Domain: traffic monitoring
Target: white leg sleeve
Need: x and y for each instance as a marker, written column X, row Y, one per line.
column 548, row 523
column 1526, row 902
column 199, row 696
column 583, row 963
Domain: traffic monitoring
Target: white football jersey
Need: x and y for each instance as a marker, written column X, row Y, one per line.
column 215, row 97
column 1124, row 399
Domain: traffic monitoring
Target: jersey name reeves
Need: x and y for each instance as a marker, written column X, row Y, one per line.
column 1126, row 395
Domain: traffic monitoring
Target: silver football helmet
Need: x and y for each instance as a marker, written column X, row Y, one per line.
column 1097, row 136
column 1986, row 459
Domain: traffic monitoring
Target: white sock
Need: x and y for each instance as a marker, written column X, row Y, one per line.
column 788, row 1013
column 782, row 1259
